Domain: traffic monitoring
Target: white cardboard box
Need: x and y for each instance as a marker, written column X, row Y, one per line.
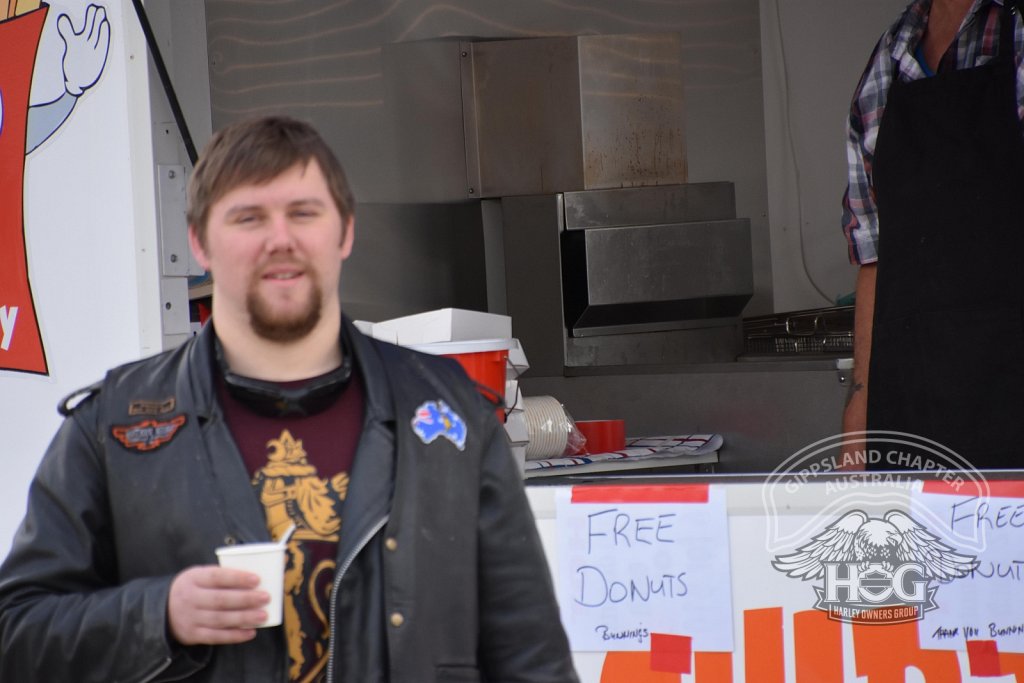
column 515, row 427
column 519, row 455
column 513, row 395
column 517, row 363
column 441, row 325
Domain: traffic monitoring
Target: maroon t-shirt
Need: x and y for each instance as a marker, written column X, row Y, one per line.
column 300, row 473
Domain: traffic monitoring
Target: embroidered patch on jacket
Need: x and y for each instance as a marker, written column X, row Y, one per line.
column 434, row 419
column 142, row 406
column 148, row 434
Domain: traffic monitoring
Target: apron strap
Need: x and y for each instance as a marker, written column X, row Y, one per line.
column 1007, row 23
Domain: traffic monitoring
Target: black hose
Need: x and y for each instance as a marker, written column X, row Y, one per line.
column 165, row 79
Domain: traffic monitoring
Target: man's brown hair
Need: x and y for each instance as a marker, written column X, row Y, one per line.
column 257, row 151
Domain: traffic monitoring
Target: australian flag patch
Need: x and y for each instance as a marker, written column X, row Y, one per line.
column 434, row 419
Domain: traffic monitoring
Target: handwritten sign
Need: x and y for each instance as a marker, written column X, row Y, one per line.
column 638, row 561
column 988, row 603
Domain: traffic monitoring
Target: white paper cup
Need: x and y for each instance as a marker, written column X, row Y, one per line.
column 266, row 560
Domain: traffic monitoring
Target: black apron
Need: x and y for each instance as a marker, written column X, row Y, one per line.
column 947, row 348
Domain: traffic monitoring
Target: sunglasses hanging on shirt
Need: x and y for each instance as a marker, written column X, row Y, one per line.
column 273, row 399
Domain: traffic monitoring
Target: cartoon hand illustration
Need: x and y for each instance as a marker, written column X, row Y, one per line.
column 85, row 51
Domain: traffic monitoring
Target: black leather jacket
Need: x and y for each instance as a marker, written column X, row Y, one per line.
column 440, row 571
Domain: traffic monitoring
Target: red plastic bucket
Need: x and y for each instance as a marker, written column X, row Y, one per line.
column 484, row 361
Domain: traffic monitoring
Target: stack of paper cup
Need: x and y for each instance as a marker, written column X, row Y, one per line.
column 548, row 427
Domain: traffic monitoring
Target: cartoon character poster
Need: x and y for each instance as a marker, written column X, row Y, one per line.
column 24, row 126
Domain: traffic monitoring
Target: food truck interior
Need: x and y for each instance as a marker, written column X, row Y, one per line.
column 650, row 190
column 647, row 191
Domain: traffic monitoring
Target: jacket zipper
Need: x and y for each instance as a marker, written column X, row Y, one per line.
column 167, row 663
column 334, row 591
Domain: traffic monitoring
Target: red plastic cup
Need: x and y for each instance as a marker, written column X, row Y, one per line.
column 603, row 436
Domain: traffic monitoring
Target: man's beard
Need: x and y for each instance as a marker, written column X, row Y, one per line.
column 283, row 327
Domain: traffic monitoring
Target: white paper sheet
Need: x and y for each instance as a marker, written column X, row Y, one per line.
column 627, row 570
column 988, row 604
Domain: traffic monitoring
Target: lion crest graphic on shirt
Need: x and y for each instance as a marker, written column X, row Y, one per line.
column 291, row 490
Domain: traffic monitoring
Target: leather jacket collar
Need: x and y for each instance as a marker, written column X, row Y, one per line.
column 195, row 383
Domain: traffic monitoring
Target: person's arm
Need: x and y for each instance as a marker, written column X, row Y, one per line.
column 860, row 225
column 63, row 616
column 856, row 412
column 66, row 615
column 521, row 634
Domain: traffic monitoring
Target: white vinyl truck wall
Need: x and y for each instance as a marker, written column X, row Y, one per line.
column 814, row 52
column 89, row 226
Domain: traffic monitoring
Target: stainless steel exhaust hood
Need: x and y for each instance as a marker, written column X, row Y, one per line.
column 494, row 118
column 573, row 113
column 628, row 277
column 611, row 257
column 660, row 258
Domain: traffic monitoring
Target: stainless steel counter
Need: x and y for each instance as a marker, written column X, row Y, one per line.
column 766, row 410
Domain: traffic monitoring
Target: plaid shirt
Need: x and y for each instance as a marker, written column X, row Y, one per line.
column 976, row 43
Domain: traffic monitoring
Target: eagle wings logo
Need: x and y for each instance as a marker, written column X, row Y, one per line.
column 890, row 541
